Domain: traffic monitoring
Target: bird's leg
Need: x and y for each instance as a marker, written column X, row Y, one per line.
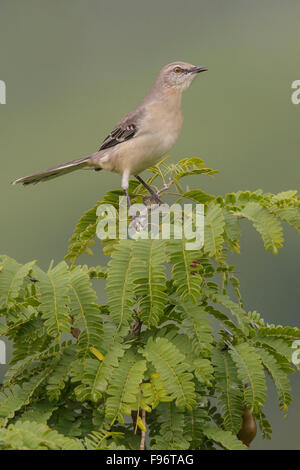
column 128, row 197
column 153, row 193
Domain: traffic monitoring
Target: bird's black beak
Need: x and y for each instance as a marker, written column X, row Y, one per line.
column 198, row 69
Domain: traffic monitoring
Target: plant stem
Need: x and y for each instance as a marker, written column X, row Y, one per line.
column 143, row 434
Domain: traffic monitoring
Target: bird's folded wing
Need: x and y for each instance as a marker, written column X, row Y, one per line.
column 126, row 129
column 119, row 135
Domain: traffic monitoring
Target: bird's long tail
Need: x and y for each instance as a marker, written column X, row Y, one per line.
column 54, row 172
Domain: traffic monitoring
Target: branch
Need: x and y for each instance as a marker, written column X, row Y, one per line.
column 143, row 434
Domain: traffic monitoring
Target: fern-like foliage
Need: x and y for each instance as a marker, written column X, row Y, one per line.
column 214, row 228
column 278, row 373
column 172, row 354
column 229, row 389
column 84, row 233
column 170, row 364
column 30, row 435
column 195, row 420
column 56, row 381
column 120, row 288
column 18, row 396
column 196, row 325
column 12, row 279
column 251, row 374
column 149, row 279
column 84, row 310
column 39, row 412
column 266, row 224
column 153, row 393
column 171, row 435
column 187, row 282
column 224, row 438
column 94, row 374
column 124, row 389
column 102, row 440
column 53, row 288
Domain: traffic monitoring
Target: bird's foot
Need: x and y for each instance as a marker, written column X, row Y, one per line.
column 154, row 197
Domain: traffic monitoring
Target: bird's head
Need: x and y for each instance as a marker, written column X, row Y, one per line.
column 179, row 75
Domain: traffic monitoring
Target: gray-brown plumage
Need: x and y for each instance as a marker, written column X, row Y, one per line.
column 143, row 137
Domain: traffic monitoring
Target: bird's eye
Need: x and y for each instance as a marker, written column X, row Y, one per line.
column 177, row 70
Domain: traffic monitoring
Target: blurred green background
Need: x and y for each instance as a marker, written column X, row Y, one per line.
column 73, row 68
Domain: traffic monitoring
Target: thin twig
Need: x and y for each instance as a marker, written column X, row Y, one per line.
column 135, row 328
column 161, row 175
column 165, row 187
column 143, row 435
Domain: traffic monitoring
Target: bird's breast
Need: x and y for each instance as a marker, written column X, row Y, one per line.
column 156, row 135
column 163, row 124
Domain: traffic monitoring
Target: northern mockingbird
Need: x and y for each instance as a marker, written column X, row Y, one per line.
column 142, row 138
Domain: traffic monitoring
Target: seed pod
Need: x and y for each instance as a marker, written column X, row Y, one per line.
column 249, row 429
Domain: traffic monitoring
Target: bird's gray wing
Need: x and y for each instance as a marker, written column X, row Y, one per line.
column 124, row 131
